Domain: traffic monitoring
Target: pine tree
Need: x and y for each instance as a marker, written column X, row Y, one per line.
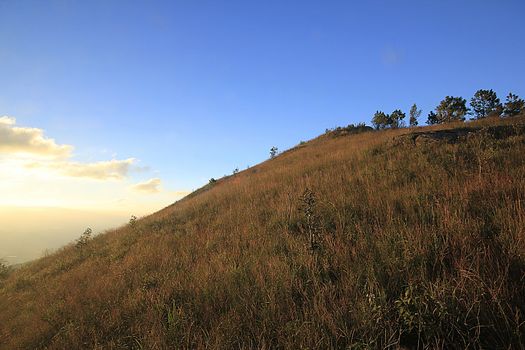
column 432, row 118
column 414, row 115
column 513, row 106
column 485, row 103
column 396, row 119
column 451, row 109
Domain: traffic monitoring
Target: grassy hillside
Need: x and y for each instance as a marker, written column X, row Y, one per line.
column 400, row 238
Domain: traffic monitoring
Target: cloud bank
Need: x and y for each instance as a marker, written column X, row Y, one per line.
column 105, row 170
column 22, row 140
column 46, row 153
column 149, row 186
column 38, row 172
column 113, row 169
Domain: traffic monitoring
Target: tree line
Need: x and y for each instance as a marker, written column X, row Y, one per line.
column 484, row 103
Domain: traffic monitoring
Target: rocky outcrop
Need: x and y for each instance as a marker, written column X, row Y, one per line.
column 456, row 135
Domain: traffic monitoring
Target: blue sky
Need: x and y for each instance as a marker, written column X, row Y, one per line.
column 194, row 89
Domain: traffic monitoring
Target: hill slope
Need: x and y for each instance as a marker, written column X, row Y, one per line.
column 381, row 239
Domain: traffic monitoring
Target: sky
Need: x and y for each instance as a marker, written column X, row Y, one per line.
column 116, row 108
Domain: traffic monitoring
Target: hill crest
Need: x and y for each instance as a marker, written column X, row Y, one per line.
column 413, row 245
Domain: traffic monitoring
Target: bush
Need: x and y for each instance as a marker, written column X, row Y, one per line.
column 273, row 152
column 351, row 129
column 4, row 270
column 84, row 238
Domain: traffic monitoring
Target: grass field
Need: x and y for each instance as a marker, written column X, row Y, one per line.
column 407, row 238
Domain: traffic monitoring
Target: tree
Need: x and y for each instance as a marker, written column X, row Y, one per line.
column 485, row 103
column 513, row 106
column 396, row 119
column 273, row 152
column 451, row 109
column 432, row 118
column 414, row 115
column 381, row 120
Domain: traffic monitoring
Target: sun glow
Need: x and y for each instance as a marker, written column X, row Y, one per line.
column 40, row 181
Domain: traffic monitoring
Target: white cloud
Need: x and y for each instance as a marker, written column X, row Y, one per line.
column 106, row 170
column 150, row 186
column 36, row 171
column 23, row 140
column 37, row 151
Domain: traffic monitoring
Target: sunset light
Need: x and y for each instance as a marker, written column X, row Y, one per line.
column 277, row 174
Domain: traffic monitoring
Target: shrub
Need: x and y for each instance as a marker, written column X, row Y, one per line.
column 4, row 270
column 311, row 224
column 351, row 129
column 273, row 152
column 84, row 238
column 132, row 221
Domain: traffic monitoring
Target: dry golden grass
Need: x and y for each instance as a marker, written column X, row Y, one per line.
column 421, row 246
